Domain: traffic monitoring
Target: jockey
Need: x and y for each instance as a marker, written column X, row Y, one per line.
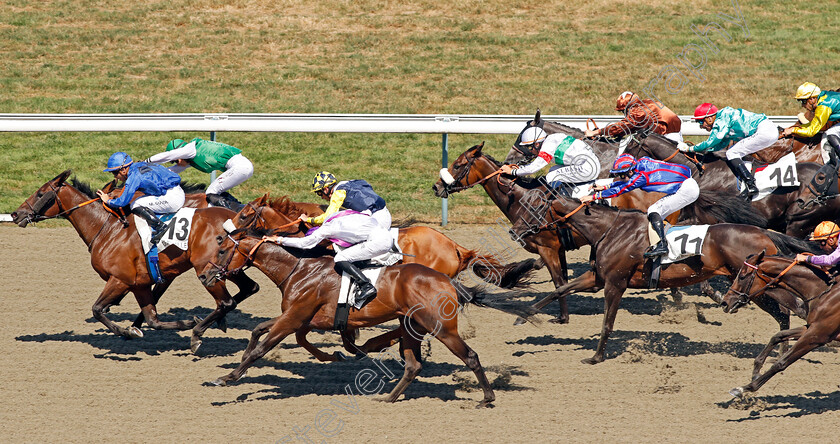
column 162, row 189
column 826, row 233
column 356, row 195
column 576, row 162
column 208, row 156
column 652, row 175
column 751, row 132
column 641, row 116
column 826, row 108
column 370, row 239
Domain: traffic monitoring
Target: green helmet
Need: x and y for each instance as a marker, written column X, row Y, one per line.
column 174, row 144
column 322, row 180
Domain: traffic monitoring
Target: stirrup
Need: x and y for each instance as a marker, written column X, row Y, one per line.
column 159, row 235
column 659, row 250
column 364, row 294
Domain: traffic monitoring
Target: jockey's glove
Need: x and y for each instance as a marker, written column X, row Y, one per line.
column 684, row 147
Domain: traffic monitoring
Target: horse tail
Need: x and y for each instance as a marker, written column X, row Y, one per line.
column 789, row 245
column 403, row 223
column 716, row 207
column 491, row 270
column 498, row 301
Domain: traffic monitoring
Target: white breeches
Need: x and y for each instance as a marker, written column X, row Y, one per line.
column 383, row 217
column 684, row 196
column 824, row 146
column 238, row 169
column 676, row 137
column 379, row 242
column 765, row 135
column 170, row 202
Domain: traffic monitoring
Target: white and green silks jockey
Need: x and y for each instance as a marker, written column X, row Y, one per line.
column 575, row 161
column 208, row 156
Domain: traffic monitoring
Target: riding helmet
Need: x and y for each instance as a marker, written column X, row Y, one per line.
column 623, row 164
column 117, row 161
column 704, row 110
column 322, row 180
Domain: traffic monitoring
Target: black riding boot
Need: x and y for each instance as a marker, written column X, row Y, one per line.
column 744, row 174
column 364, row 289
column 834, row 153
column 158, row 227
column 225, row 201
column 215, row 200
column 661, row 248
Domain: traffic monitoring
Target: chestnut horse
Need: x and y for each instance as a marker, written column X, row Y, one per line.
column 424, row 301
column 117, row 255
column 813, row 290
column 422, row 245
column 619, row 237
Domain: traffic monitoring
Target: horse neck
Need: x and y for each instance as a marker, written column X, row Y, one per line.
column 274, row 261
column 592, row 226
column 510, row 200
column 661, row 150
column 88, row 220
column 802, row 279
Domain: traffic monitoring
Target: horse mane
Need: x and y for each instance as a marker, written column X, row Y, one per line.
column 574, row 132
column 788, row 245
column 260, row 232
column 529, row 183
column 83, row 187
column 193, row 187
column 285, row 206
column 819, row 272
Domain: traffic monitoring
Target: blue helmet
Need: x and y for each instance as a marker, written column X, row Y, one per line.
column 117, row 161
column 623, row 164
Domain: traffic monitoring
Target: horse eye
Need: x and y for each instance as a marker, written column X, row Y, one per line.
column 220, row 239
column 222, row 252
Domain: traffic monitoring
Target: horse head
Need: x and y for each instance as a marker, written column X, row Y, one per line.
column 42, row 204
column 744, row 286
column 458, row 177
column 236, row 250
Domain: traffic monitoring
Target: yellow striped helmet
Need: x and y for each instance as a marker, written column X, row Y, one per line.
column 322, row 180
column 806, row 91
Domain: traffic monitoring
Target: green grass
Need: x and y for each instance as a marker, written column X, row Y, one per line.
column 370, row 56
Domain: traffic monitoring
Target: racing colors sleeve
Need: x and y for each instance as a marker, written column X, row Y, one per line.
column 621, row 187
column 826, row 259
column 336, row 201
column 307, row 242
column 715, row 140
column 185, row 152
column 821, row 115
column 543, row 158
column 132, row 184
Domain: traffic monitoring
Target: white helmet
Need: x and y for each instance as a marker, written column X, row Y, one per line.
column 532, row 135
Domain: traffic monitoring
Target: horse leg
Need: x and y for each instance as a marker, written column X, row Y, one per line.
column 287, row 323
column 814, row 336
column 781, row 316
column 300, row 336
column 383, row 341
column 144, row 297
column 585, row 281
column 411, row 353
column 261, row 329
column 707, row 290
column 557, row 270
column 448, row 335
column 779, row 337
column 157, row 293
column 112, row 294
column 245, row 284
column 224, row 304
column 613, row 291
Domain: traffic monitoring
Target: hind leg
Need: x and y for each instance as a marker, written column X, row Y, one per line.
column 300, row 337
column 448, row 335
column 261, row 329
column 147, row 306
column 224, row 304
column 411, row 352
column 157, row 292
column 586, row 281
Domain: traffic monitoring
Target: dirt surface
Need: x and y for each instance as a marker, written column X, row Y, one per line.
column 666, row 379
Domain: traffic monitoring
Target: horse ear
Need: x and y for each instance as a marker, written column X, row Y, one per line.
column 480, row 146
column 62, row 177
column 537, row 117
column 761, row 256
column 261, row 201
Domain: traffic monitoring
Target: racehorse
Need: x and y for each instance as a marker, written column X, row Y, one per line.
column 117, row 254
column 784, row 209
column 422, row 245
column 806, row 149
column 813, row 290
column 424, row 301
column 619, row 237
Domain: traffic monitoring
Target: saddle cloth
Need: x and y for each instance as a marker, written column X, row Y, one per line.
column 177, row 233
column 684, row 241
column 347, row 293
column 767, row 178
column 384, row 259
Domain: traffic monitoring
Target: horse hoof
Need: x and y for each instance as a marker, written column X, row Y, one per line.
column 134, row 332
column 194, row 345
column 519, row 321
column 340, row 357
column 591, row 361
column 485, row 404
column 219, row 382
column 737, row 392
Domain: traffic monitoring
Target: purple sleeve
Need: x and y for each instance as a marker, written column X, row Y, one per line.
column 826, row 259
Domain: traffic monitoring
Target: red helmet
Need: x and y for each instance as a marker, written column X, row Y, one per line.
column 623, row 164
column 704, row 110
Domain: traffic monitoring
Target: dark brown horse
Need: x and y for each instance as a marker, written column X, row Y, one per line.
column 619, row 237
column 813, row 291
column 117, row 255
column 421, row 245
column 806, row 149
column 424, row 301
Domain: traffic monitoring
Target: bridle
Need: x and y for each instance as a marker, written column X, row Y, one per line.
column 46, row 200
column 463, row 172
column 769, row 282
column 222, row 271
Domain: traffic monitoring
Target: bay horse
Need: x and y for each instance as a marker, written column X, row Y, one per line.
column 421, row 245
column 117, row 255
column 784, row 209
column 814, row 292
column 424, row 301
column 619, row 237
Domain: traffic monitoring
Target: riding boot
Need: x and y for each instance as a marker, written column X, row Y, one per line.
column 215, row 200
column 364, row 289
column 744, row 174
column 158, row 227
column 834, row 153
column 661, row 248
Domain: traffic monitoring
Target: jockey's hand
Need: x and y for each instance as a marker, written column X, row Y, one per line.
column 787, row 132
column 508, row 169
column 684, row 147
column 102, row 195
column 590, row 133
column 275, row 239
column 303, row 217
column 587, row 199
column 801, row 257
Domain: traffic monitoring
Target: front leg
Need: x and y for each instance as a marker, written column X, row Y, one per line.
column 586, row 281
column 613, row 290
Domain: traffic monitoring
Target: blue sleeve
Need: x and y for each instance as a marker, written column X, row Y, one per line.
column 622, row 187
column 132, row 184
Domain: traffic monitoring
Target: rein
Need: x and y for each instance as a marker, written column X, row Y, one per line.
column 768, row 281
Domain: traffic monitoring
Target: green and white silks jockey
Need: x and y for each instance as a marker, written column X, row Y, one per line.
column 208, row 156
column 750, row 131
column 575, row 161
